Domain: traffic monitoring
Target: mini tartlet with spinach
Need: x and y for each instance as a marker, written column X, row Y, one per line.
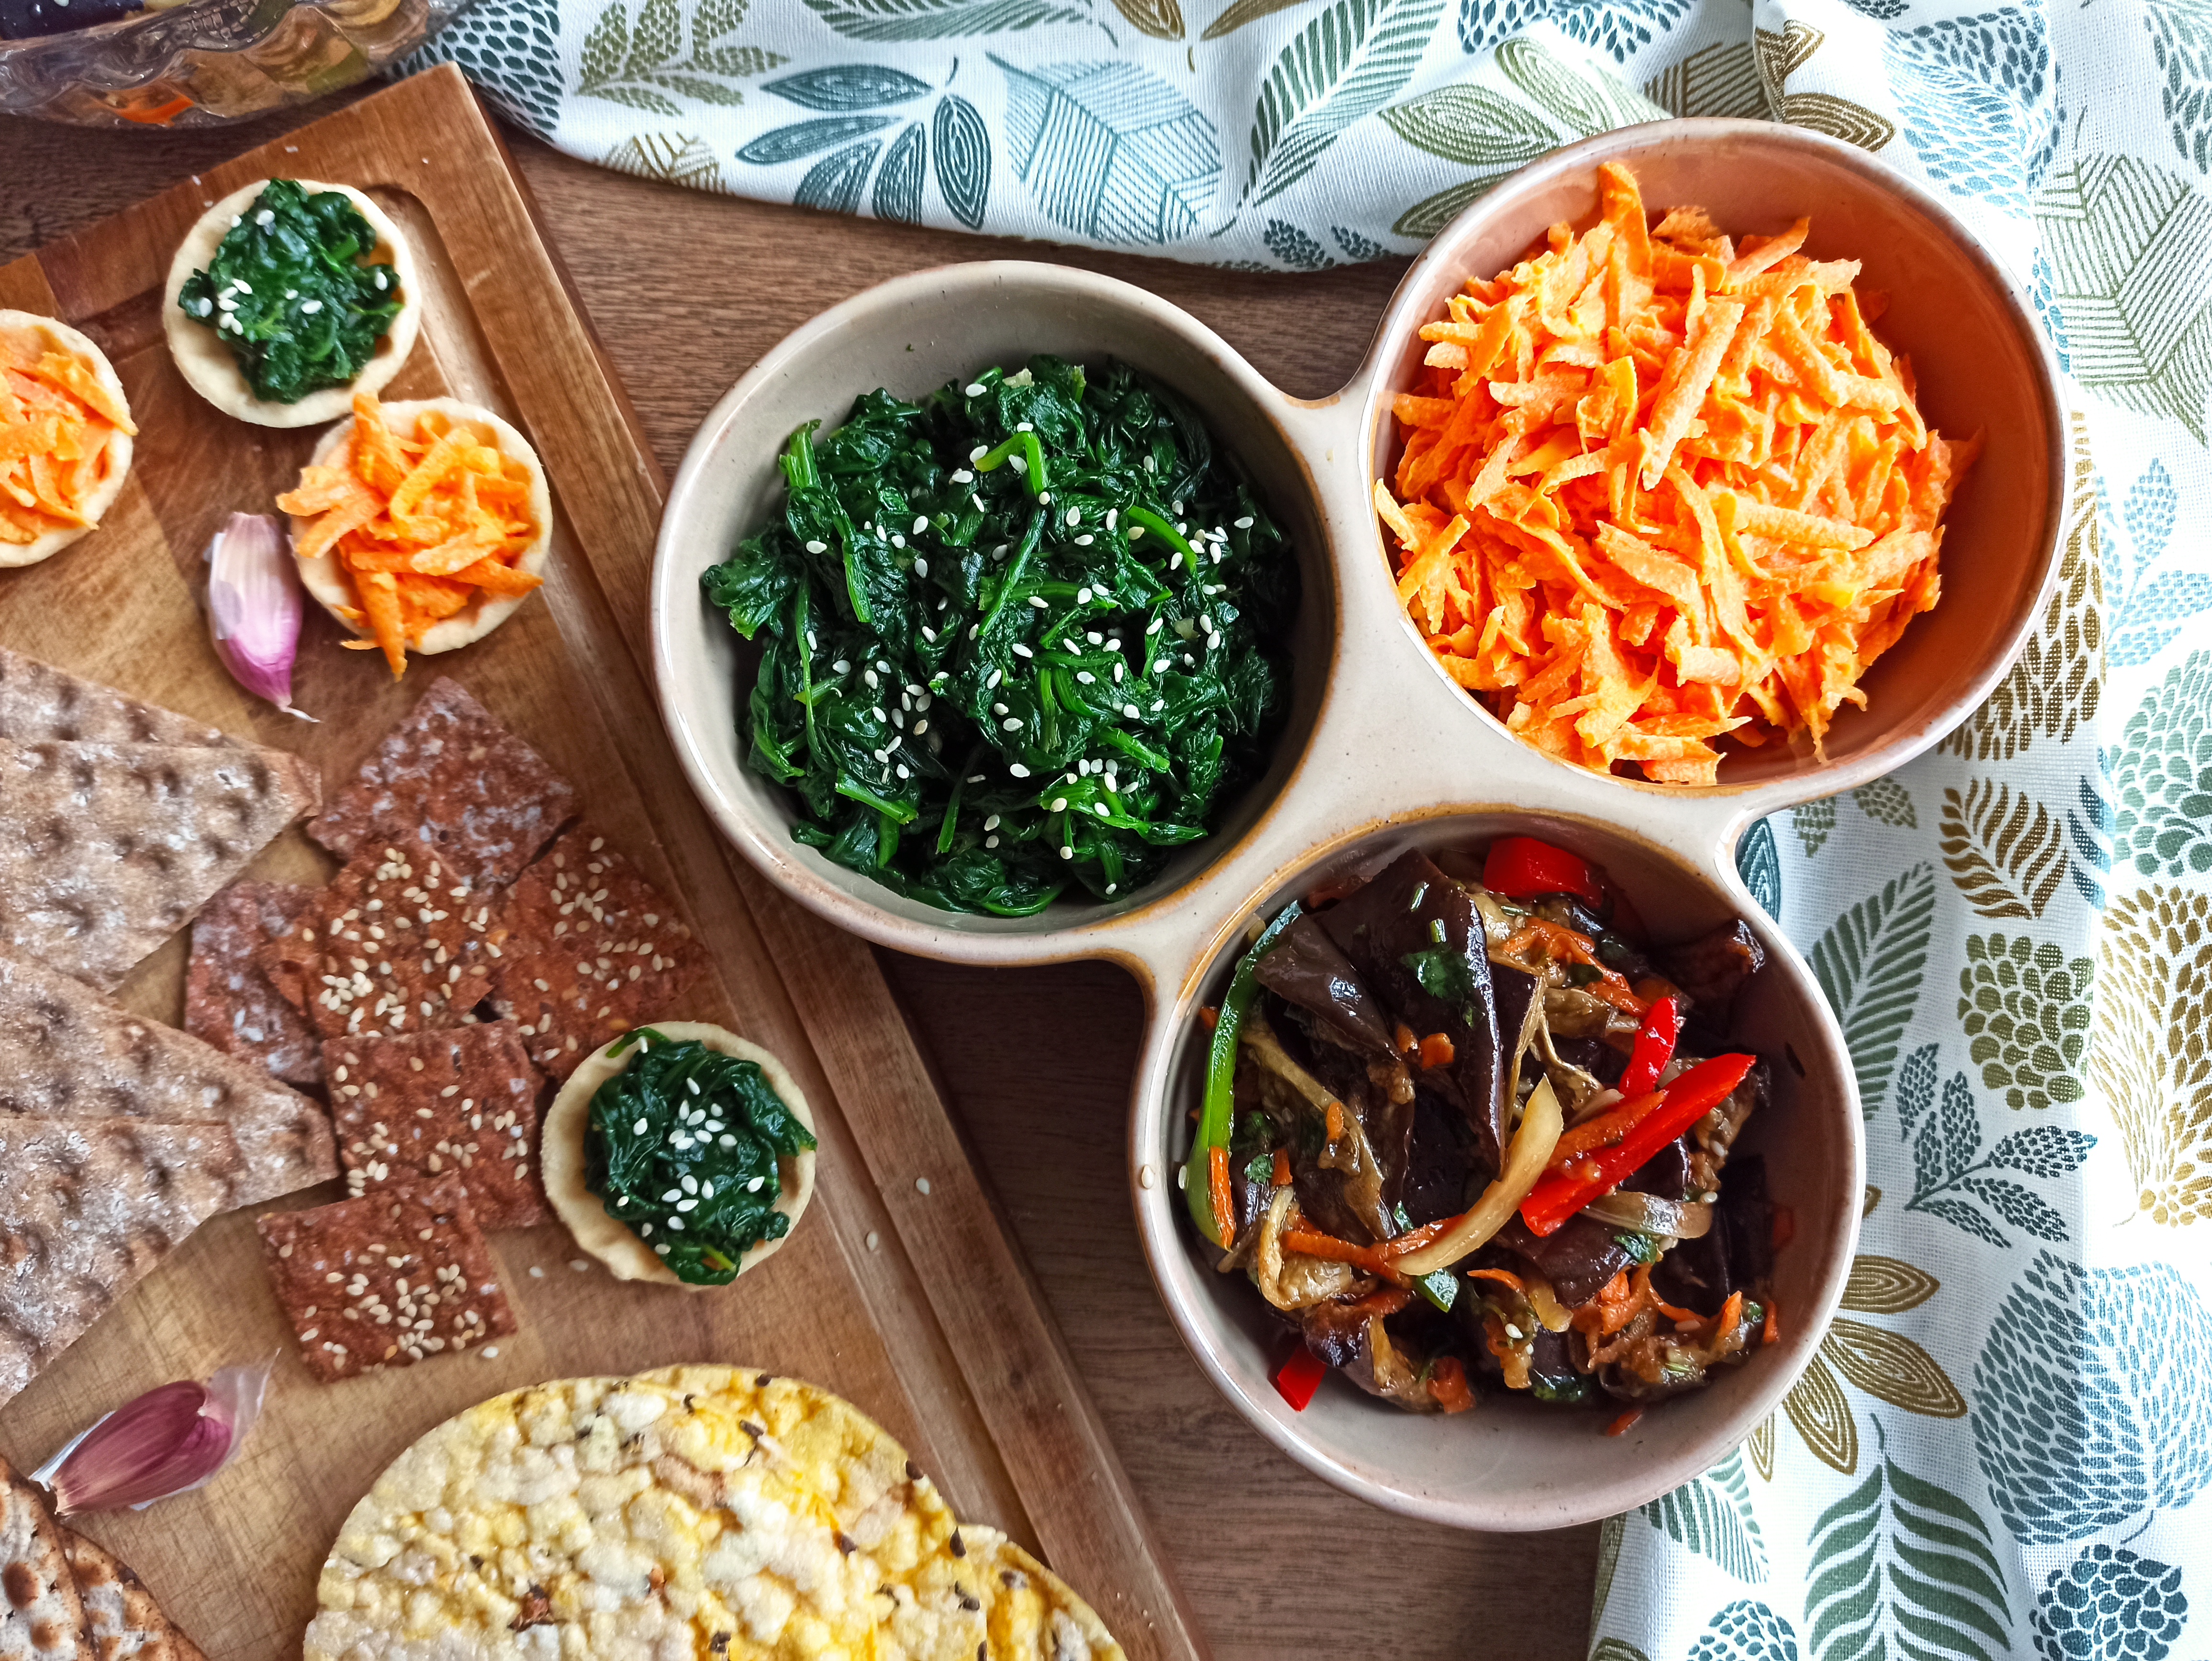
column 681, row 1155
column 289, row 296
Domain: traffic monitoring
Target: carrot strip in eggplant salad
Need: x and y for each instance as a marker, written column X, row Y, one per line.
column 1463, row 1125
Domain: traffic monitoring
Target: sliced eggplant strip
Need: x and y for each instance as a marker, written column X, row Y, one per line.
column 1525, row 1159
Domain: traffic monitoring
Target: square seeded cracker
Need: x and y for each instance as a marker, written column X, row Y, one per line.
column 415, row 1108
column 588, row 949
column 392, row 1278
column 229, row 1002
column 449, row 781
column 391, row 946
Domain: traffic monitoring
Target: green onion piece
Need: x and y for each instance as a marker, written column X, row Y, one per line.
column 1167, row 533
column 1032, row 455
column 1214, row 1117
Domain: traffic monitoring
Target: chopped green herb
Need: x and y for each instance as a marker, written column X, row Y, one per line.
column 1442, row 974
column 1641, row 1248
column 1440, row 1287
column 1024, row 635
column 288, row 294
column 1583, row 973
column 682, row 1148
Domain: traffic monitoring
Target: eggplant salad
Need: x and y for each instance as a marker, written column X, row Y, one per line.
column 1463, row 1125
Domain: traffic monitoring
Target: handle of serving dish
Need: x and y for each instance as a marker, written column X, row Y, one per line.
column 1393, row 740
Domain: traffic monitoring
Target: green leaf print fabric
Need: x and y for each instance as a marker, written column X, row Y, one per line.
column 2003, row 1445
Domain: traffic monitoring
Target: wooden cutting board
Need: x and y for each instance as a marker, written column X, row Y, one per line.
column 901, row 1289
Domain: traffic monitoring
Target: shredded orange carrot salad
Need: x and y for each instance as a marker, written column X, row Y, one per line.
column 423, row 524
column 56, row 419
column 1657, row 489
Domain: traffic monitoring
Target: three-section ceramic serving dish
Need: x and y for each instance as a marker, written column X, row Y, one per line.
column 1383, row 751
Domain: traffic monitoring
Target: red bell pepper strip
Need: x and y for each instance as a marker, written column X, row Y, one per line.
column 1297, row 1377
column 1559, row 1194
column 1521, row 867
column 1654, row 1048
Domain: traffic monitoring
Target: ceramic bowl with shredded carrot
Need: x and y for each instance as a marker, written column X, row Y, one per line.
column 1662, row 489
column 420, row 526
column 65, row 432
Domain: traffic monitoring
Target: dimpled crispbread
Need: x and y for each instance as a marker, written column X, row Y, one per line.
column 696, row 1511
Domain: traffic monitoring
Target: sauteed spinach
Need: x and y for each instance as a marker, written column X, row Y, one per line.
column 287, row 292
column 1024, row 633
column 682, row 1147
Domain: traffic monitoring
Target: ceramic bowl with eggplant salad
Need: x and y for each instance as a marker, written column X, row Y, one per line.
column 1465, row 1127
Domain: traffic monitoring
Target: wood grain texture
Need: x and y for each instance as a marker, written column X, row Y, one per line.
column 686, row 291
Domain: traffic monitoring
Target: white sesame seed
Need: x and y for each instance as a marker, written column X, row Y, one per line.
column 921, row 1184
column 817, row 546
column 1059, row 805
column 1017, row 770
column 975, row 389
column 309, row 308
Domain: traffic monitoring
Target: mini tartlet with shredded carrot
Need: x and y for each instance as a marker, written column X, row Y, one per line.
column 65, row 432
column 1657, row 490
column 420, row 526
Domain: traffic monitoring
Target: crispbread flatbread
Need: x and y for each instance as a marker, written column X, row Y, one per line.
column 107, row 849
column 120, row 1616
column 695, row 1511
column 561, row 1158
column 326, row 580
column 588, row 950
column 459, row 1099
column 38, row 703
column 229, row 1002
column 392, row 1278
column 206, row 363
column 43, row 334
column 393, row 944
column 88, row 1207
column 40, row 1618
column 450, row 780
column 72, row 1053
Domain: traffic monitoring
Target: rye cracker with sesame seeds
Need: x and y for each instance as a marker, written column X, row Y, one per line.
column 121, row 1617
column 229, row 1002
column 40, row 704
column 392, row 946
column 41, row 1618
column 418, row 1108
column 73, row 1053
column 89, row 1206
column 588, row 950
column 696, row 1511
column 107, row 849
column 392, row 1278
column 451, row 782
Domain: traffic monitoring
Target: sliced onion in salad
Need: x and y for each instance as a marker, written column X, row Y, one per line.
column 1526, row 1157
column 1647, row 1213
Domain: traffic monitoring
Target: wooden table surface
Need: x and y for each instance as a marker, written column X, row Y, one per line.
column 687, row 289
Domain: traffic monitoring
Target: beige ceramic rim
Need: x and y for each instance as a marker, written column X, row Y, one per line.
column 1354, row 781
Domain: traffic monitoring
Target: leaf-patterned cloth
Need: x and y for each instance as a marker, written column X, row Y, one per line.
column 2003, row 1446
